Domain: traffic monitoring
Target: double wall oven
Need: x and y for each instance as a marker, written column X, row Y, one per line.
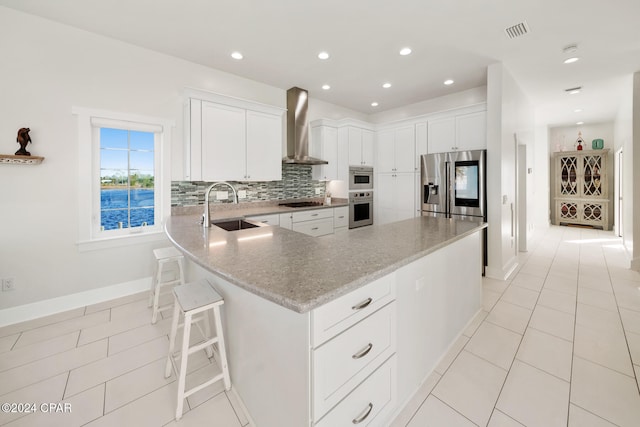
column 360, row 196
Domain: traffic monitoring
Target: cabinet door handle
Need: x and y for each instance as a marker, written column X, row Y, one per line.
column 314, row 228
column 364, row 415
column 315, row 214
column 362, row 305
column 362, row 353
column 341, row 216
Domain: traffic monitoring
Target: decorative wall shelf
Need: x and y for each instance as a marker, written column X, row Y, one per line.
column 20, row 160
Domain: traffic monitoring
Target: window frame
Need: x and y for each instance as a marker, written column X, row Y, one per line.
column 89, row 123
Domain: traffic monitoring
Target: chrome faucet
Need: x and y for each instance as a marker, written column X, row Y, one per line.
column 206, row 221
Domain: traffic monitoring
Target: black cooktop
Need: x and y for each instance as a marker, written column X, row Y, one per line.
column 301, row 204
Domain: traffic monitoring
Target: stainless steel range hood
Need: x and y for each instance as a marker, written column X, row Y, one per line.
column 298, row 129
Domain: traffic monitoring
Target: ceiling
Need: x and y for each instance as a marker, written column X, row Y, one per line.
column 450, row 39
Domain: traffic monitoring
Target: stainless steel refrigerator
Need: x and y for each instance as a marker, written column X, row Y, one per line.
column 454, row 185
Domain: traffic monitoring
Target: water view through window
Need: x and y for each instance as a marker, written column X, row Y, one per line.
column 126, row 178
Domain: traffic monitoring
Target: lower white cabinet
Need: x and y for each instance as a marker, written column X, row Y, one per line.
column 369, row 404
column 316, row 222
column 272, row 219
column 353, row 341
column 341, row 219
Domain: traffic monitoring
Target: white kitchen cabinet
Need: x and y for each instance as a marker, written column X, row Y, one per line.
column 316, row 222
column 352, row 337
column 471, row 131
column 396, row 150
column 441, row 135
column 457, row 133
column 361, row 146
column 421, row 143
column 223, row 145
column 341, row 219
column 395, row 197
column 270, row 219
column 230, row 139
column 324, row 145
column 264, row 147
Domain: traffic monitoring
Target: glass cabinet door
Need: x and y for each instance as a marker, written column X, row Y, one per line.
column 591, row 166
column 568, row 175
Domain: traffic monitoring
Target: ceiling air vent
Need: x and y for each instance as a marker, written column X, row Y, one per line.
column 517, row 30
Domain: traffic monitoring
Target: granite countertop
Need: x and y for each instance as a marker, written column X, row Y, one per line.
column 301, row 272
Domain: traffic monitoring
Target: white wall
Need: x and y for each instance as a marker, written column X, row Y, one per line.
column 539, row 212
column 564, row 137
column 623, row 131
column 509, row 113
column 47, row 68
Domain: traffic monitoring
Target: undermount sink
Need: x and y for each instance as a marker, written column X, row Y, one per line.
column 234, row 225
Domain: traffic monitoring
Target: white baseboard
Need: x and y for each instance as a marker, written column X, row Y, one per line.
column 502, row 273
column 22, row 313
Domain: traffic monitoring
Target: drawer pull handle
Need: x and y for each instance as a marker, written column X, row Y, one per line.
column 315, row 214
column 362, row 353
column 314, row 228
column 364, row 416
column 362, row 305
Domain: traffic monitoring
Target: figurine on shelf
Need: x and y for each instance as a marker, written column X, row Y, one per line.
column 579, row 142
column 23, row 139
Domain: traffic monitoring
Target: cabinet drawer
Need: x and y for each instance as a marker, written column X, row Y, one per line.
column 337, row 315
column 319, row 227
column 341, row 217
column 342, row 363
column 273, row 219
column 369, row 404
column 313, row 214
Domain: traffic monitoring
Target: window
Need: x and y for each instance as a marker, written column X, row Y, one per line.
column 124, row 184
column 127, row 165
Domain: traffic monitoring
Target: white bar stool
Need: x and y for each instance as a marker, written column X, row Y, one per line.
column 164, row 256
column 191, row 299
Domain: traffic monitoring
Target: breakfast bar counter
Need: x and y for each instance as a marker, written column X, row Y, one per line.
column 300, row 272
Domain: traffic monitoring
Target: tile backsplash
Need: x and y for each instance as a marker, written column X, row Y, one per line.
column 296, row 183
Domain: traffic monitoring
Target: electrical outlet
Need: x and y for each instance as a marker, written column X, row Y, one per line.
column 242, row 194
column 318, row 191
column 9, row 284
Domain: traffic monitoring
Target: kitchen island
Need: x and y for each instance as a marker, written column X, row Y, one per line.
column 331, row 330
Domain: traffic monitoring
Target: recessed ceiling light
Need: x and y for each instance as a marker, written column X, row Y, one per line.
column 374, row 104
column 323, row 55
column 326, row 87
column 448, row 82
column 405, row 51
column 579, row 123
column 236, row 55
column 571, row 60
column 386, row 85
column 578, row 110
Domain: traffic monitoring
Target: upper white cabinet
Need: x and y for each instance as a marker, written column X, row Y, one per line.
column 471, row 131
column 264, row 146
column 441, row 135
column 457, row 133
column 223, row 144
column 229, row 139
column 361, row 147
column 324, row 145
column 396, row 150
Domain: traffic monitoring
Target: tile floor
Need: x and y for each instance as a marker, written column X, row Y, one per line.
column 556, row 344
column 107, row 361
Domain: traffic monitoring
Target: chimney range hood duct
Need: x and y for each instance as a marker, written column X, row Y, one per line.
column 298, row 129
